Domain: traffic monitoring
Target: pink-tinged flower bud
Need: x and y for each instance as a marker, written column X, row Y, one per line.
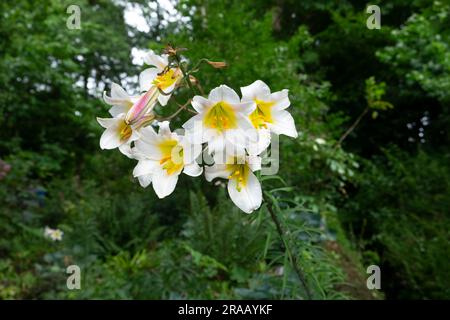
column 143, row 106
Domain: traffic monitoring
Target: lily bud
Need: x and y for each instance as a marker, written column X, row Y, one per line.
column 193, row 79
column 143, row 106
column 217, row 64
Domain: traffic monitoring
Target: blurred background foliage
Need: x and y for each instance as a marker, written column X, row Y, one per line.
column 366, row 182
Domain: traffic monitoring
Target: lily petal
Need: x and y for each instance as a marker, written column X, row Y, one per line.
column 118, row 109
column 158, row 61
column 281, row 100
column 200, row 104
column 249, row 197
column 216, row 171
column 126, row 149
column 283, row 123
column 193, row 169
column 164, row 184
column 261, row 143
column 257, row 89
column 224, row 93
column 145, row 180
column 147, row 77
column 106, row 122
column 110, row 138
column 144, row 167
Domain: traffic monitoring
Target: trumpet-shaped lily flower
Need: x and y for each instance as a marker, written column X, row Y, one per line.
column 120, row 100
column 222, row 121
column 270, row 114
column 118, row 134
column 243, row 186
column 162, row 157
column 160, row 76
column 136, row 108
column 130, row 113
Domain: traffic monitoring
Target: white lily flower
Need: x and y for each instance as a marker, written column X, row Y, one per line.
column 130, row 113
column 54, row 234
column 118, row 134
column 159, row 76
column 162, row 157
column 120, row 100
column 222, row 121
column 136, row 107
column 270, row 114
column 243, row 186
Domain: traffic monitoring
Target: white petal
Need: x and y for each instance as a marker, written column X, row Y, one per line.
column 148, row 133
column 191, row 151
column 163, row 99
column 250, row 196
column 193, row 169
column 254, row 162
column 118, row 96
column 257, row 89
column 235, row 142
column 244, row 108
column 126, row 149
column 156, row 60
column 195, row 131
column 261, row 143
column 117, row 92
column 164, row 128
column 110, row 139
column 200, row 104
column 164, row 184
column 281, row 99
column 216, row 171
column 145, row 180
column 118, row 109
column 107, row 122
column 283, row 123
column 144, row 167
column 223, row 93
column 146, row 78
column 190, row 124
column 216, row 144
column 147, row 150
column 245, row 124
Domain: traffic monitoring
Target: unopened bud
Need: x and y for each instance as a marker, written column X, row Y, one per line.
column 217, row 64
column 193, row 79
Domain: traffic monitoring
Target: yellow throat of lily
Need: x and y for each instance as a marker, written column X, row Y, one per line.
column 221, row 117
column 262, row 114
column 167, row 78
column 124, row 131
column 239, row 172
column 172, row 156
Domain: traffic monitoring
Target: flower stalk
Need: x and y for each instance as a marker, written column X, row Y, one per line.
column 292, row 258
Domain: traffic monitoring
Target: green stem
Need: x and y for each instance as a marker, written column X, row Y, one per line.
column 181, row 108
column 292, row 257
column 185, row 74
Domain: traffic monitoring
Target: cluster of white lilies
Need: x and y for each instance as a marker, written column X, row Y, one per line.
column 233, row 130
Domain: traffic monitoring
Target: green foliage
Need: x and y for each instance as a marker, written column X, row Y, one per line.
column 195, row 244
column 421, row 51
column 405, row 201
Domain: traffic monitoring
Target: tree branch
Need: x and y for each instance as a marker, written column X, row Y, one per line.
column 352, row 127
